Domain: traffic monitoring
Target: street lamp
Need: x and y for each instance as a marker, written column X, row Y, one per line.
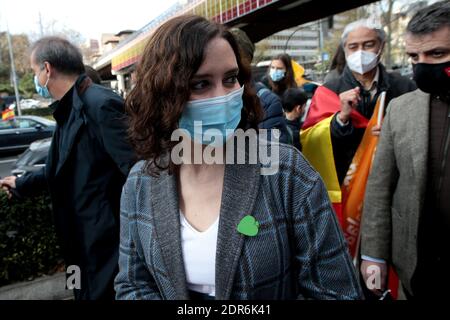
column 290, row 36
column 13, row 70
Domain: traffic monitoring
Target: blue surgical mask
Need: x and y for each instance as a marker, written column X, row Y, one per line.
column 42, row 90
column 221, row 113
column 277, row 74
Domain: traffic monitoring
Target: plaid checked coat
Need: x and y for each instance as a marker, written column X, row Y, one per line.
column 299, row 252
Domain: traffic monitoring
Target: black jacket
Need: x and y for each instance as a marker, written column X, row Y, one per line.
column 294, row 127
column 346, row 139
column 88, row 162
column 273, row 111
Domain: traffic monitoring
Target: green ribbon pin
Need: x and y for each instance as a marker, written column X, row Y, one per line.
column 248, row 226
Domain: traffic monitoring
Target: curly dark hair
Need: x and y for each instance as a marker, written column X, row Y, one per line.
column 288, row 81
column 170, row 59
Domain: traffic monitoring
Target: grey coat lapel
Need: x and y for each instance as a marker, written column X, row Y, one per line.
column 240, row 190
column 421, row 122
column 167, row 225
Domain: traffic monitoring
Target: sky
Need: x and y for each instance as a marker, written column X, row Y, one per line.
column 90, row 18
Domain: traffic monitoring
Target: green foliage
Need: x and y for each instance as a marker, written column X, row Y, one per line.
column 6, row 87
column 4, row 72
column 28, row 244
column 322, row 68
column 40, row 112
column 26, row 85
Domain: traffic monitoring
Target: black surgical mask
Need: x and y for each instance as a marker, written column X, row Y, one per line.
column 432, row 78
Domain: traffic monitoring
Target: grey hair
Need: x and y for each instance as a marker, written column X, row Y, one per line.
column 60, row 54
column 430, row 19
column 363, row 23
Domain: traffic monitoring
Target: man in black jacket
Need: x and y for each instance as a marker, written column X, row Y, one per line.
column 88, row 162
column 359, row 86
column 294, row 104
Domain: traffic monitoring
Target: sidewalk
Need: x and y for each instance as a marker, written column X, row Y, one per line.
column 44, row 288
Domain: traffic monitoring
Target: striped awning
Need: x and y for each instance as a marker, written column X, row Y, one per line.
column 221, row 11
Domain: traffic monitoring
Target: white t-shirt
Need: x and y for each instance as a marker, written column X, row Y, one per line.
column 199, row 255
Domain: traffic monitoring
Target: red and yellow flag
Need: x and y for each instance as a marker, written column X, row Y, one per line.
column 316, row 141
column 8, row 114
column 316, row 146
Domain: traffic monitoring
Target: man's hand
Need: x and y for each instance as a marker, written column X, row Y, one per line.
column 376, row 129
column 349, row 99
column 7, row 184
column 375, row 276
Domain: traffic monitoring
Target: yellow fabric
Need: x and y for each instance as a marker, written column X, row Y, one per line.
column 299, row 71
column 317, row 148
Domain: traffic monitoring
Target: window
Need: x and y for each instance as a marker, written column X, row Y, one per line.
column 26, row 123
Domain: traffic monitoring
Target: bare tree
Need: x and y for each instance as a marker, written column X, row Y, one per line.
column 20, row 45
column 55, row 28
column 387, row 21
column 261, row 51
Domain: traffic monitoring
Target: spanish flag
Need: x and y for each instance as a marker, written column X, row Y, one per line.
column 8, row 114
column 317, row 148
column 316, row 141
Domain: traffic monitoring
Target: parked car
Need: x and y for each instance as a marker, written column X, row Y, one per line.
column 18, row 133
column 29, row 104
column 33, row 159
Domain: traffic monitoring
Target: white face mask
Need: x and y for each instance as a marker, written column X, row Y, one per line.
column 362, row 61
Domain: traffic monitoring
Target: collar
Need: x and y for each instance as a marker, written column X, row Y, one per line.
column 374, row 83
column 380, row 81
column 61, row 108
column 72, row 98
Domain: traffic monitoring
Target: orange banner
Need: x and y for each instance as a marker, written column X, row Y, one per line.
column 354, row 185
column 354, row 188
column 347, row 199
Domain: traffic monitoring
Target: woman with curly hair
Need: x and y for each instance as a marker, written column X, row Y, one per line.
column 218, row 231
